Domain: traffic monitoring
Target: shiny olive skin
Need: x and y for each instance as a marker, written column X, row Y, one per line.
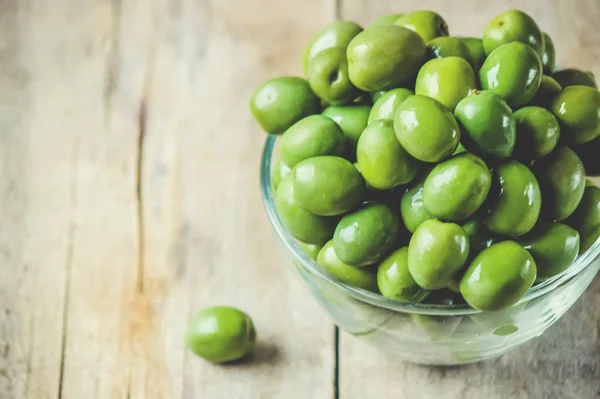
column 448, row 80
column 328, row 77
column 361, row 277
column 587, row 215
column 279, row 172
column 480, row 237
column 575, row 77
column 412, row 210
column 498, row 277
column 589, row 239
column 426, row 129
column 577, row 108
column 280, row 102
column 450, row 46
column 549, row 54
column 395, row 281
column 487, row 124
column 327, row 185
column 352, row 119
column 548, row 90
column 436, row 253
column 554, row 247
column 221, row 334
column 513, row 26
column 302, row 224
column 399, row 53
column 383, row 162
column 427, row 24
column 562, row 179
column 386, row 104
column 516, row 200
column 336, row 34
column 513, row 71
column 457, row 187
column 588, row 153
column 310, row 137
column 312, row 250
column 366, row 235
column 538, row 132
column 388, row 19
column 476, row 51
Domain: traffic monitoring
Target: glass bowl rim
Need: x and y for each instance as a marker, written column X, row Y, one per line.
column 580, row 264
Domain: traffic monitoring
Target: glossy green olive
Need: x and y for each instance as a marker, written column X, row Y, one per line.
column 450, row 46
column 426, row 129
column 457, row 187
column 337, row 33
column 411, row 208
column 589, row 239
column 395, row 281
column 312, row 250
column 221, row 334
column 588, row 153
column 399, row 53
column 387, row 103
column 436, row 253
column 548, row 90
column 328, row 77
column 302, row 224
column 327, row 186
column 310, row 137
column 366, row 235
column 448, row 80
column 575, row 77
column 279, row 172
column 554, row 247
column 498, row 277
column 352, row 119
column 562, row 179
column 513, row 71
column 513, row 26
column 480, row 237
column 587, row 215
column 487, row 124
column 516, row 200
column 427, row 24
column 538, row 132
column 361, row 277
column 476, row 51
column 549, row 54
column 577, row 108
column 388, row 19
column 280, row 102
column 383, row 162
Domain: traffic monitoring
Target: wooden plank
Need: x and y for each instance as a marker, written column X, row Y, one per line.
column 565, row 361
column 206, row 238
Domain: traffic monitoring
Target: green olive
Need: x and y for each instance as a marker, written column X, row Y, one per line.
column 366, row 235
column 549, row 54
column 562, row 179
column 575, row 77
column 436, row 253
column 427, row 24
column 548, row 90
column 221, row 334
column 587, row 215
column 387, row 103
column 395, row 281
column 352, row 119
column 538, row 132
column 312, row 250
column 411, row 208
column 498, row 277
column 328, row 77
column 577, row 108
column 361, row 277
column 383, row 162
column 513, row 26
column 279, row 172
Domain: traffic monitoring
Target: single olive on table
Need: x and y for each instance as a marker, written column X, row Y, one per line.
column 419, row 165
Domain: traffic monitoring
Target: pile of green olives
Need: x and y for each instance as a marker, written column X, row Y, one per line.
column 415, row 163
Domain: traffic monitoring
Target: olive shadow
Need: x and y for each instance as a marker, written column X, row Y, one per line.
column 264, row 353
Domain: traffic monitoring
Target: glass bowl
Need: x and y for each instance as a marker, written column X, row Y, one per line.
column 423, row 333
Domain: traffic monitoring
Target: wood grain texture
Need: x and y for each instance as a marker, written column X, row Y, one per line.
column 565, row 361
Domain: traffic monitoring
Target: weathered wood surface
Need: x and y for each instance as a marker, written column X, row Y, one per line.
column 129, row 199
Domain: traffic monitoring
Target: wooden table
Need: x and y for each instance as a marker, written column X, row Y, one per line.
column 129, row 200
